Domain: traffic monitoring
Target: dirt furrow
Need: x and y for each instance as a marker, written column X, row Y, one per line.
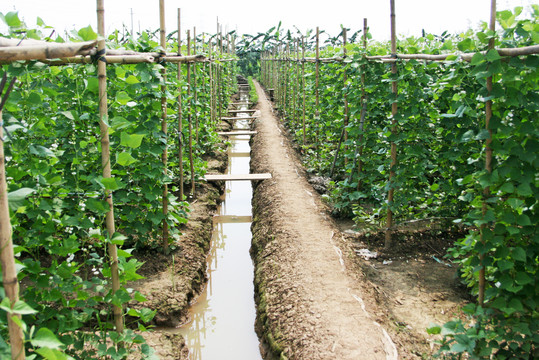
column 309, row 307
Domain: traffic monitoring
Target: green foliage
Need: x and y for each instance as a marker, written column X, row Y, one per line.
column 253, row 96
column 440, row 137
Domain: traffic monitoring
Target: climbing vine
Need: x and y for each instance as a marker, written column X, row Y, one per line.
column 57, row 194
column 440, row 173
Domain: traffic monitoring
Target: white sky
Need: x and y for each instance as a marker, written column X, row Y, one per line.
column 251, row 17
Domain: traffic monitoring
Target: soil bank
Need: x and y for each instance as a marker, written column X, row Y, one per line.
column 309, row 305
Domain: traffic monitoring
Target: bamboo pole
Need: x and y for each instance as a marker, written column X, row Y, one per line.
column 164, row 124
column 195, row 82
column 295, row 85
column 345, row 119
column 45, row 51
column 363, row 107
column 125, row 59
column 345, row 80
column 189, row 117
column 105, row 161
column 394, row 110
column 213, row 107
column 488, row 158
column 180, row 119
column 286, row 82
column 7, row 259
column 317, row 91
column 303, row 86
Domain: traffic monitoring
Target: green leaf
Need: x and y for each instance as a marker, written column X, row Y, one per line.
column 35, row 99
column 483, row 135
column 458, row 348
column 111, row 183
column 515, row 203
column 119, row 122
column 40, row 151
column 68, row 114
column 524, row 189
column 46, row 338
column 125, row 159
column 118, row 239
column 93, row 85
column 121, row 297
column 132, row 141
column 12, row 19
column 492, row 55
column 139, row 297
column 16, row 198
column 52, row 354
column 523, row 220
column 466, row 44
column 477, row 59
column 504, row 265
column 434, row 187
column 87, row 33
column 522, row 278
column 123, row 253
column 434, row 329
column 507, row 188
column 132, row 80
column 23, row 308
column 519, row 254
column 515, row 304
column 122, row 98
column 101, row 207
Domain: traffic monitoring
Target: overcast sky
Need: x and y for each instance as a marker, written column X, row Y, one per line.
column 251, row 17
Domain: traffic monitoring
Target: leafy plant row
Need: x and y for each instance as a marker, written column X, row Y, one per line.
column 439, row 133
column 57, row 191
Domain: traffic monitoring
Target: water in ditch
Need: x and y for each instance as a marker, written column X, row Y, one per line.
column 223, row 317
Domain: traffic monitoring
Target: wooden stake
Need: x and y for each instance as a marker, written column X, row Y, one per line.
column 190, row 119
column 488, row 157
column 303, row 86
column 363, row 107
column 345, row 120
column 345, row 79
column 296, row 86
column 195, row 87
column 7, row 259
column 317, row 91
column 180, row 119
column 394, row 110
column 164, row 124
column 105, row 161
column 45, row 51
column 213, row 114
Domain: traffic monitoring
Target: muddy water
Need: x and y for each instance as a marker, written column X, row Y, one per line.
column 223, row 317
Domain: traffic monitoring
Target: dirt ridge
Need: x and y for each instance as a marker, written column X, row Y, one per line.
column 308, row 306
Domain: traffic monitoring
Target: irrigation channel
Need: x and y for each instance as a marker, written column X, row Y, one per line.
column 223, row 317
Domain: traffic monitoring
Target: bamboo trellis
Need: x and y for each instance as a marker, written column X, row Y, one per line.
column 53, row 54
column 276, row 55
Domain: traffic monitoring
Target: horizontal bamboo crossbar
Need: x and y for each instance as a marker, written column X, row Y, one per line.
column 236, row 177
column 45, row 51
column 128, row 59
column 234, row 133
column 509, row 52
column 239, row 118
column 242, row 111
column 84, row 53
